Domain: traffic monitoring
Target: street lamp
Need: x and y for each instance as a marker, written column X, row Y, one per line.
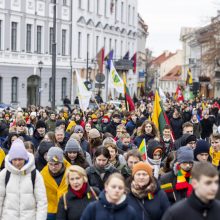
column 40, row 67
column 88, row 78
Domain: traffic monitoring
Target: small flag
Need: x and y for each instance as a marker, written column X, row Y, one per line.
column 126, row 56
column 150, row 196
column 179, row 94
column 88, row 195
column 189, row 79
column 109, row 58
column 143, row 150
column 168, row 187
column 134, row 59
column 100, row 59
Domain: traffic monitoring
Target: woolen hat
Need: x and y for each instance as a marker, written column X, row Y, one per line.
column 44, row 147
column 201, row 147
column 153, row 145
column 142, row 166
column 94, row 133
column 185, row 154
column 55, row 154
column 78, row 128
column 41, row 124
column 190, row 138
column 17, row 150
column 72, row 146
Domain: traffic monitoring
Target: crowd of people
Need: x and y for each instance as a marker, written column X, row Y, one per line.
column 75, row 165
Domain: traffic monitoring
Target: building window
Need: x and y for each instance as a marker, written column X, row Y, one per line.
column 116, row 10
column 14, row 89
column 97, row 44
column 110, row 44
column 14, row 36
column 64, row 2
column 88, row 5
column 79, row 44
column 28, row 38
column 80, row 3
column 129, row 14
column 121, row 48
column 51, row 40
column 1, row 89
column 39, row 35
column 97, row 7
column 104, row 42
column 50, row 89
column 88, row 43
column 63, row 42
column 105, row 7
column 122, row 11
column 133, row 16
column 64, row 85
column 115, row 48
column 0, row 34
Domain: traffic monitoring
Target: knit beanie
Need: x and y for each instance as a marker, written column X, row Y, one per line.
column 17, row 150
column 78, row 128
column 72, row 146
column 188, row 138
column 55, row 154
column 41, row 124
column 153, row 145
column 44, row 147
column 185, row 154
column 94, row 133
column 79, row 170
column 201, row 147
column 142, row 166
column 60, row 122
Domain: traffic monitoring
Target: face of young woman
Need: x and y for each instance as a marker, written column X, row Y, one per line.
column 101, row 161
column 76, row 181
column 114, row 190
column 88, row 127
column 157, row 155
column 112, row 152
column 141, row 178
column 148, row 128
column 72, row 155
column 18, row 163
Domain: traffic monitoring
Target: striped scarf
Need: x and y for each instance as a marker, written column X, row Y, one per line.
column 182, row 182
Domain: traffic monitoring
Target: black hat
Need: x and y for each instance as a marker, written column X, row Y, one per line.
column 44, row 147
column 188, row 138
column 41, row 124
column 201, row 147
column 60, row 122
column 152, row 146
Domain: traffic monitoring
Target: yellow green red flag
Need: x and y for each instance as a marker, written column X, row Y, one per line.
column 143, row 150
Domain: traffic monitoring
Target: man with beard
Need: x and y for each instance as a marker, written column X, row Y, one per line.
column 39, row 133
column 177, row 183
column 111, row 128
column 201, row 204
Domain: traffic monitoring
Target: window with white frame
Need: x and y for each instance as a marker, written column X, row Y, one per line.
column 97, row 44
column 0, row 34
column 64, row 2
column 28, row 38
column 97, row 6
column 39, row 38
column 51, row 40
column 14, row 89
column 63, row 42
column 50, row 89
column 122, row 11
column 88, row 44
column 64, row 85
column 80, row 3
column 79, row 44
column 14, row 27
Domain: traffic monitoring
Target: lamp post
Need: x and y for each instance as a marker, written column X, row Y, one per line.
column 40, row 67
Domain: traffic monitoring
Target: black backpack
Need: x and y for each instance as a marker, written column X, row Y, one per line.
column 33, row 177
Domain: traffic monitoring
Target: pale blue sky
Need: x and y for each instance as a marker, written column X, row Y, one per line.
column 166, row 17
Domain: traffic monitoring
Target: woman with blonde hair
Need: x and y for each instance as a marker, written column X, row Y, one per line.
column 148, row 132
column 112, row 202
column 78, row 196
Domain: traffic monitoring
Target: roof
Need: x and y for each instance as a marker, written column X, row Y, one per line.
column 173, row 75
column 163, row 57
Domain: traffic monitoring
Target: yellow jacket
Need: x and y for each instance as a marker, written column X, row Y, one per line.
column 2, row 156
column 54, row 192
column 215, row 156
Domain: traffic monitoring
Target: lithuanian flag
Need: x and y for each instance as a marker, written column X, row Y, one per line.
column 128, row 98
column 143, row 150
column 168, row 187
column 189, row 78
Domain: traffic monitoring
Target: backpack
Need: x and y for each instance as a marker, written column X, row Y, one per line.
column 33, row 177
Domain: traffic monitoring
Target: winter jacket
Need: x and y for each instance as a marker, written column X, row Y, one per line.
column 207, row 127
column 181, row 141
column 84, row 145
column 193, row 209
column 2, row 158
column 75, row 206
column 139, row 139
column 19, row 200
column 51, row 125
column 102, row 209
column 176, row 125
column 155, row 207
column 130, row 127
column 94, row 176
column 111, row 128
column 36, row 139
column 54, row 192
column 197, row 129
column 168, row 146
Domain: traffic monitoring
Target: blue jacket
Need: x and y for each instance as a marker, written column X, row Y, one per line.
column 103, row 210
column 155, row 207
column 130, row 127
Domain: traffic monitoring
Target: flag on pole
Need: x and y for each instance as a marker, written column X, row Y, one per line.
column 189, row 78
column 126, row 56
column 109, row 58
column 143, row 150
column 179, row 94
column 128, row 98
column 162, row 95
column 134, row 59
column 83, row 93
column 115, row 80
column 100, row 59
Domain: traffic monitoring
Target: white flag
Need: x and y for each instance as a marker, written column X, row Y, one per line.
column 115, row 80
column 83, row 93
column 162, row 95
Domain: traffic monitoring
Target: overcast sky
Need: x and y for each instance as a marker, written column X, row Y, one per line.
column 166, row 17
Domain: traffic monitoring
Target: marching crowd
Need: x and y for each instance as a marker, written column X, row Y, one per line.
column 75, row 165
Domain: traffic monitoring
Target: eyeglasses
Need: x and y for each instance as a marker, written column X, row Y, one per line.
column 21, row 125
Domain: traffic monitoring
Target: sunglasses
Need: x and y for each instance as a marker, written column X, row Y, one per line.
column 21, row 125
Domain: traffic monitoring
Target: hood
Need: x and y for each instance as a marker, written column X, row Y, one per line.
column 27, row 168
column 113, row 207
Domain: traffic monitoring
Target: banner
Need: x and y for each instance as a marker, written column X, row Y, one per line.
column 83, row 93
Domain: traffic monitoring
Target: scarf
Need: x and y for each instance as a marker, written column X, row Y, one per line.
column 143, row 192
column 156, row 164
column 81, row 192
column 182, row 182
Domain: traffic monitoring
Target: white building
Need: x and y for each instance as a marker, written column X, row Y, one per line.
column 26, row 38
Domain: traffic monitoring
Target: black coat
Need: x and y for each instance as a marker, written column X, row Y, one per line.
column 111, row 128
column 103, row 210
column 170, row 177
column 193, row 209
column 207, row 127
column 95, row 178
column 75, row 206
column 155, row 207
column 176, row 125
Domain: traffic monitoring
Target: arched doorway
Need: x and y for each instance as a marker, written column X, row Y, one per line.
column 33, row 85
